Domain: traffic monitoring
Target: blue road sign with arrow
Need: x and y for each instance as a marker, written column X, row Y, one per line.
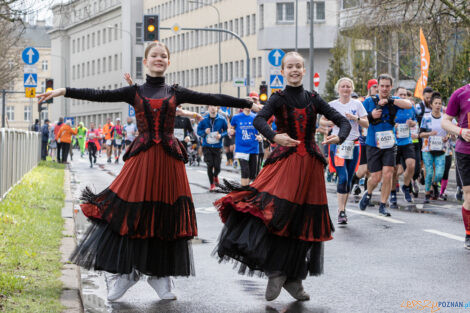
column 30, row 55
column 275, row 57
column 30, row 79
column 131, row 111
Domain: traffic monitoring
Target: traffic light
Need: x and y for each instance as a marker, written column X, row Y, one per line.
column 49, row 87
column 151, row 27
column 41, row 107
column 263, row 92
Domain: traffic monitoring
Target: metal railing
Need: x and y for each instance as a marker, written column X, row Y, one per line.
column 20, row 151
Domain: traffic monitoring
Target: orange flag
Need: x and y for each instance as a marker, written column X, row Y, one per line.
column 425, row 60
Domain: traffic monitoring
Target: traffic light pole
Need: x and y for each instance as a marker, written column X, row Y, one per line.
column 220, row 30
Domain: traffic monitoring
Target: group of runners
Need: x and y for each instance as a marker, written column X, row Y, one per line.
column 142, row 223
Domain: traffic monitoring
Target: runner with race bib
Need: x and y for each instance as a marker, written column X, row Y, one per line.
column 344, row 157
column 434, row 138
column 381, row 146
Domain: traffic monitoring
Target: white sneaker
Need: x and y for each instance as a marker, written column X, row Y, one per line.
column 119, row 284
column 163, row 287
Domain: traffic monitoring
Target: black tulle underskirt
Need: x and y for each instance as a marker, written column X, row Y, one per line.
column 105, row 250
column 246, row 240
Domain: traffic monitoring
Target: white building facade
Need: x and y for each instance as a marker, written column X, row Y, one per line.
column 95, row 44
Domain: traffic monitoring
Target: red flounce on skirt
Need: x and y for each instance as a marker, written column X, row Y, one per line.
column 143, row 221
column 279, row 223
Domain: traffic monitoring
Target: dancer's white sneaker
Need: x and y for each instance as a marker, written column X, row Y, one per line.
column 163, row 287
column 119, row 284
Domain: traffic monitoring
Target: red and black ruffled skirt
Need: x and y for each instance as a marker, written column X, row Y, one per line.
column 143, row 221
column 278, row 223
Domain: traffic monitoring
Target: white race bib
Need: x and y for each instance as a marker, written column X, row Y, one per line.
column 91, row 135
column 212, row 138
column 403, row 130
column 345, row 150
column 118, row 142
column 385, row 139
column 364, row 131
column 179, row 133
column 108, row 142
column 436, row 143
column 242, row 156
column 414, row 131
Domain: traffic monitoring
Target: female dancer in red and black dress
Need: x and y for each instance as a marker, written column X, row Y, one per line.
column 143, row 222
column 277, row 225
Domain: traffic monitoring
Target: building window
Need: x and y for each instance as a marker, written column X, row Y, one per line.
column 231, row 72
column 83, row 70
column 10, row 112
column 73, row 46
column 44, row 65
column 259, row 67
column 88, row 41
column 83, row 43
column 93, row 40
column 347, row 4
column 285, row 12
column 88, row 68
column 138, row 33
column 253, row 24
column 253, row 67
column 104, row 65
column 73, row 72
column 78, row 45
column 98, row 66
column 93, row 67
column 138, row 68
column 78, row 71
column 28, row 109
column 98, row 38
column 236, row 70
column 104, row 35
column 242, row 27
column 116, row 31
column 319, row 13
column 248, row 29
column 44, row 114
column 110, row 63
column 261, row 16
column 242, row 68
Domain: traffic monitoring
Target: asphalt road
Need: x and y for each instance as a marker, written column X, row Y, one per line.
column 374, row 264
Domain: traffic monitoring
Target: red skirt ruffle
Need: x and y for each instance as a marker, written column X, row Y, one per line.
column 149, row 198
column 289, row 196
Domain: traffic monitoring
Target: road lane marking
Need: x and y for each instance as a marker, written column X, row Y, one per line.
column 208, row 210
column 387, row 219
column 443, row 234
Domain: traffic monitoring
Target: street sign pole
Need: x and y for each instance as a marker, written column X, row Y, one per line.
column 4, row 93
column 310, row 81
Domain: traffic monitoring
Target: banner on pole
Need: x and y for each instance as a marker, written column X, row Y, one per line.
column 425, row 62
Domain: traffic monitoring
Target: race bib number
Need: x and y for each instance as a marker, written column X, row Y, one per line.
column 345, row 150
column 118, row 142
column 80, row 136
column 91, row 135
column 364, row 131
column 242, row 156
column 436, row 143
column 212, row 138
column 385, row 139
column 414, row 131
column 403, row 130
column 179, row 133
column 108, row 142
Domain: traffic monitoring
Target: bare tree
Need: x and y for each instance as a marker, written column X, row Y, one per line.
column 10, row 34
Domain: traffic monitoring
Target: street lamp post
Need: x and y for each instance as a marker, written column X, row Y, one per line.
column 219, row 40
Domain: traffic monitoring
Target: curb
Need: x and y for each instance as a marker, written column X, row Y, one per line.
column 71, row 289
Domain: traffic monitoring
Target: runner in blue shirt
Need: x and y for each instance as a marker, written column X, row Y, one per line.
column 247, row 141
column 405, row 123
column 380, row 141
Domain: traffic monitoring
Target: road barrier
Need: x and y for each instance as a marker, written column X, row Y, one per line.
column 20, row 151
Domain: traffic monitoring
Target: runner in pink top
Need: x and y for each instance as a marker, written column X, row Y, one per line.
column 459, row 108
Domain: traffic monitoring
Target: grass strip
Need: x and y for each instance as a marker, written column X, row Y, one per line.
column 30, row 235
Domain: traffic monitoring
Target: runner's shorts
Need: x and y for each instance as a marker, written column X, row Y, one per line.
column 378, row 158
column 405, row 152
column 462, row 161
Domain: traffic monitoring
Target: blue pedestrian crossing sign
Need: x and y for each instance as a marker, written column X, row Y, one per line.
column 275, row 57
column 30, row 55
column 30, row 79
column 276, row 81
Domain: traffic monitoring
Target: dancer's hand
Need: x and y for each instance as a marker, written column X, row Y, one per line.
column 466, row 134
column 128, row 79
column 256, row 107
column 50, row 94
column 285, row 140
column 332, row 139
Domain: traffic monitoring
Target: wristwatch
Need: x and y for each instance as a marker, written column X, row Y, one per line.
column 358, row 118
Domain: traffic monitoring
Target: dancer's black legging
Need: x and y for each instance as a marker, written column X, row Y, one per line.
column 92, row 152
column 213, row 158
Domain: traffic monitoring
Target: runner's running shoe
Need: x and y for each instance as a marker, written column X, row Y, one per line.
column 342, row 217
column 383, row 210
column 364, row 201
column 406, row 193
